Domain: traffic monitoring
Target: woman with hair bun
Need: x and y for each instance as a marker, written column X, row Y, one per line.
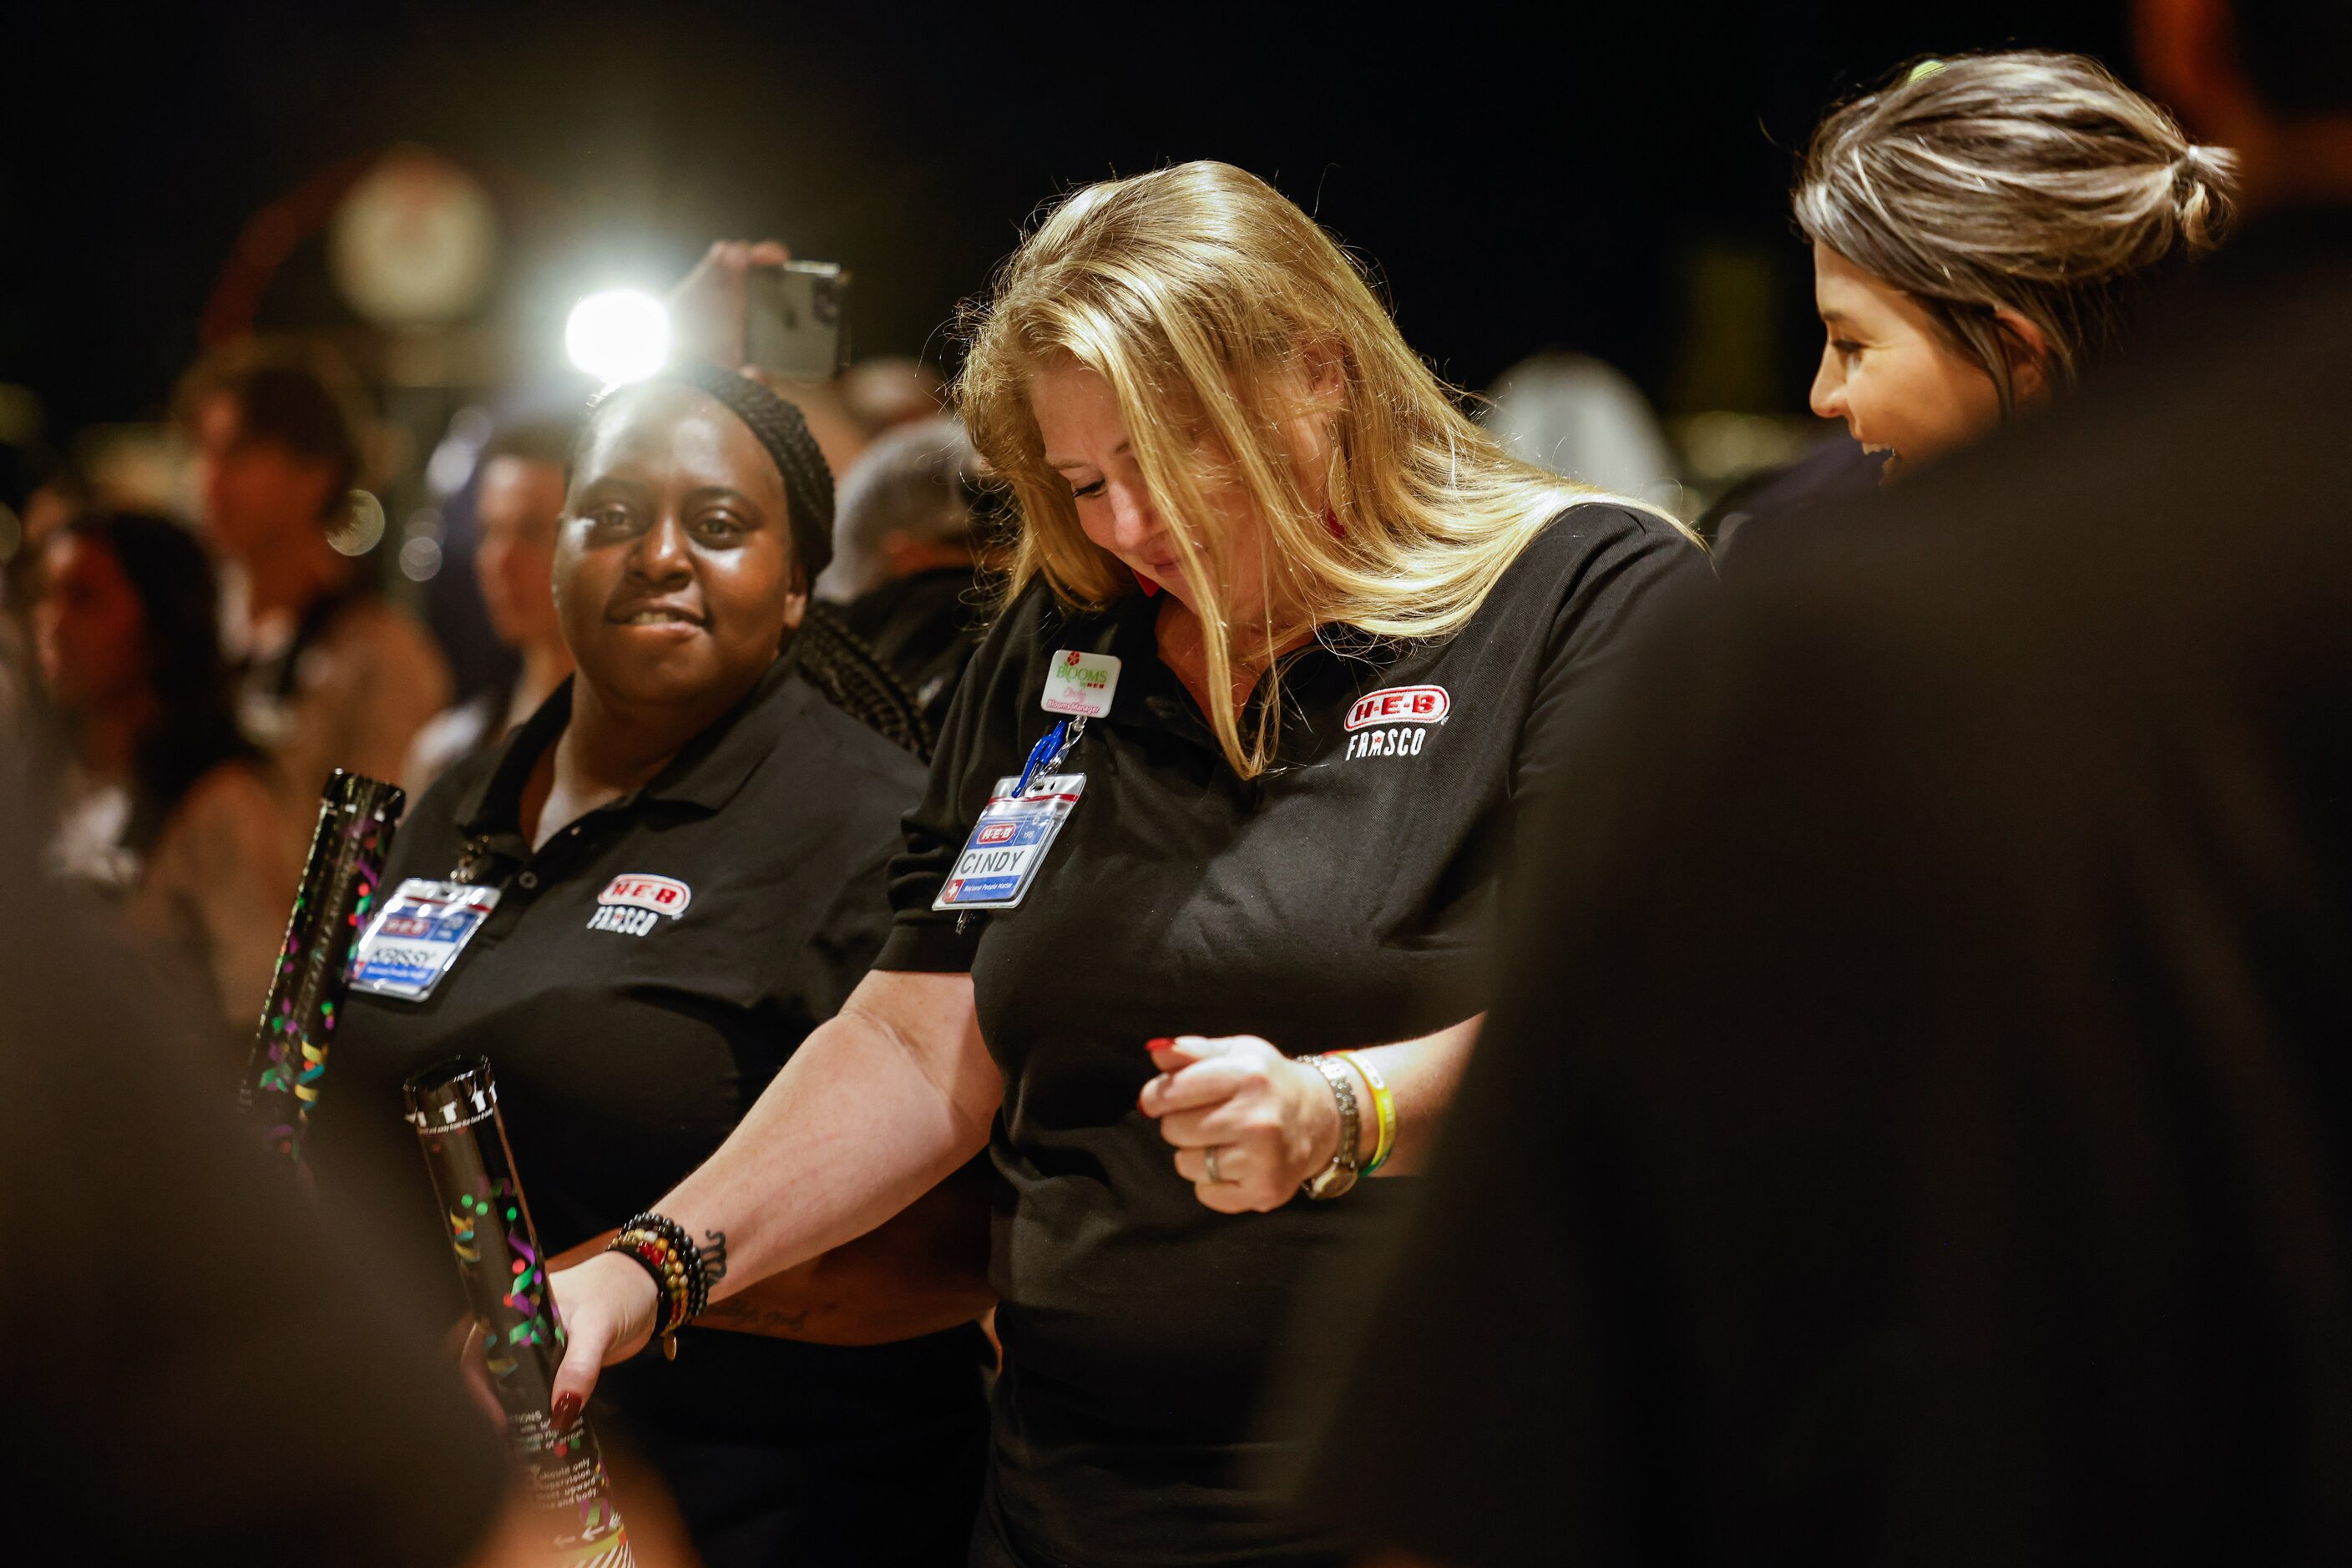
column 1984, row 230
column 1193, row 917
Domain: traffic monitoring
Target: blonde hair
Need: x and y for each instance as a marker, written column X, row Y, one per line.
column 2026, row 181
column 1206, row 300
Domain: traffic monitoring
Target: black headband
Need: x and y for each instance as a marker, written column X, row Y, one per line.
column 783, row 433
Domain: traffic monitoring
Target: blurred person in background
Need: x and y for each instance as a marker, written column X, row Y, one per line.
column 706, row 315
column 518, row 509
column 687, row 844
column 48, row 493
column 1985, row 230
column 164, row 803
column 1577, row 415
column 887, row 391
column 911, row 556
column 1983, row 1197
column 331, row 675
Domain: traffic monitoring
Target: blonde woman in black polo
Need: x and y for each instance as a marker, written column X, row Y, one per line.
column 1192, row 919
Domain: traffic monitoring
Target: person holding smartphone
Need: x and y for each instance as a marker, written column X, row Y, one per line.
column 638, row 906
column 1194, row 916
column 726, row 312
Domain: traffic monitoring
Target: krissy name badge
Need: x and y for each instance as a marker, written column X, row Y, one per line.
column 417, row 935
column 1080, row 684
column 1008, row 844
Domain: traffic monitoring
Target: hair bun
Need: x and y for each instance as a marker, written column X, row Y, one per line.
column 2026, row 181
column 2202, row 178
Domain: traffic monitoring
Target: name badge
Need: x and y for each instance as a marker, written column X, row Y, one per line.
column 1080, row 684
column 417, row 935
column 1008, row 844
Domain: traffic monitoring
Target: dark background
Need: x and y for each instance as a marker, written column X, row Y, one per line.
column 1522, row 176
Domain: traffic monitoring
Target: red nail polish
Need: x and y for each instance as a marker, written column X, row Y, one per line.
column 1161, row 1044
column 566, row 1411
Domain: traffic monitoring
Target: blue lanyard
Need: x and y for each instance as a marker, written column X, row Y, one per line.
column 1047, row 752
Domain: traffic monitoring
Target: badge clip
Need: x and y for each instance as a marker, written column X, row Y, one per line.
column 1046, row 755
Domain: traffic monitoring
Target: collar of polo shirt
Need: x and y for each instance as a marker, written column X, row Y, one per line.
column 707, row 771
column 1151, row 696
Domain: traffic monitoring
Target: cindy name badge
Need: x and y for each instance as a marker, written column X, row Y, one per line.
column 417, row 935
column 1008, row 844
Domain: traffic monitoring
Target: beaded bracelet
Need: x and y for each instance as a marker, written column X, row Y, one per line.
column 661, row 1247
column 650, row 1262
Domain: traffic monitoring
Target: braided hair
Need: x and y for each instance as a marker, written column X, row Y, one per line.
column 838, row 663
column 832, row 658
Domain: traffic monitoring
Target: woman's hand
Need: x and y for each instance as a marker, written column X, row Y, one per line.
column 1265, row 1123
column 706, row 308
column 608, row 1306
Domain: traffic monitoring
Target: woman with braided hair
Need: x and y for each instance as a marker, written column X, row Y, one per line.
column 638, row 906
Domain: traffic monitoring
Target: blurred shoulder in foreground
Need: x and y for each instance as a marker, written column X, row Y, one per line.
column 1919, row 1125
column 207, row 1368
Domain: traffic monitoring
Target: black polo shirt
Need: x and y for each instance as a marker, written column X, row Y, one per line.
column 627, row 1045
column 1345, row 898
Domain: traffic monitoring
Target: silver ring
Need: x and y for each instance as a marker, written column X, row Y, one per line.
column 1213, row 1164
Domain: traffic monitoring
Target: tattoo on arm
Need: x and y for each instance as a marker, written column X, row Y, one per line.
column 714, row 1254
column 754, row 1318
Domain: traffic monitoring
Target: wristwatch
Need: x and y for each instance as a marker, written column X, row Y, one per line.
column 1341, row 1175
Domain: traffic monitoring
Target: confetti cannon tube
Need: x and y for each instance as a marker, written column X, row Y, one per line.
column 455, row 1108
column 283, row 1073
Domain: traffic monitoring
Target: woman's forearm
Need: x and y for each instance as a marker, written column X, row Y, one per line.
column 1422, row 1076
column 922, row 1272
column 925, row 1270
column 877, row 1107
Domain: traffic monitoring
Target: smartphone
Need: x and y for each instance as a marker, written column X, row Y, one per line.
column 794, row 323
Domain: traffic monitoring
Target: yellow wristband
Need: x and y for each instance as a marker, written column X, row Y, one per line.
column 1383, row 1105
